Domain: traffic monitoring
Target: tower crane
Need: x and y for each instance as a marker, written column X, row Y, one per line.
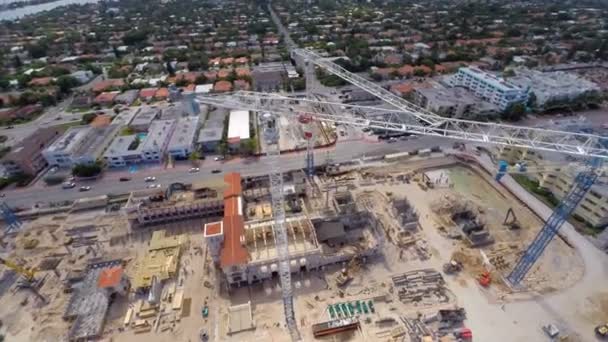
column 27, row 273
column 409, row 118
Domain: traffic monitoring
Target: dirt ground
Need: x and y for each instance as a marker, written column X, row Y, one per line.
column 559, row 267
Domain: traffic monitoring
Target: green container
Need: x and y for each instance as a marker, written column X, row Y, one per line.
column 358, row 307
column 351, row 309
column 365, row 310
column 344, row 308
column 332, row 312
column 337, row 309
column 371, row 306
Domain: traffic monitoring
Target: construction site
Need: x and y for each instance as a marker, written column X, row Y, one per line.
column 421, row 246
column 372, row 253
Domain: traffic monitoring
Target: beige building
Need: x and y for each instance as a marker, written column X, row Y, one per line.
column 559, row 180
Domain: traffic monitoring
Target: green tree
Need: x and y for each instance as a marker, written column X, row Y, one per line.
column 37, row 50
column 66, row 83
column 514, row 112
column 134, row 37
column 4, row 82
column 194, row 158
column 531, row 100
column 86, row 170
column 88, row 118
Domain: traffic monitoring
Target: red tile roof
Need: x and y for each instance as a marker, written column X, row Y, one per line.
column 101, row 121
column 213, row 228
column 110, row 277
column 147, row 92
column 107, row 84
column 233, row 180
column 243, row 72
column 222, row 86
column 402, row 88
column 233, row 252
column 40, row 81
column 162, row 93
column 224, row 73
column 406, row 70
column 106, row 97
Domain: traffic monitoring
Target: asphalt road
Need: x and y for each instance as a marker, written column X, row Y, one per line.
column 344, row 151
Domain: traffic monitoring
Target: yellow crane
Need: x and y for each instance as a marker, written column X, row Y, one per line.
column 27, row 273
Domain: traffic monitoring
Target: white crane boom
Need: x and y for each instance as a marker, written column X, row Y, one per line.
column 407, row 108
column 576, row 144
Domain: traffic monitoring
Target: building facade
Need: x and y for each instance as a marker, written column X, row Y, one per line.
column 80, row 145
column 493, row 89
column 181, row 144
column 27, row 156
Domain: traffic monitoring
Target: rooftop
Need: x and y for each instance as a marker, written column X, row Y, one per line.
column 184, row 132
column 211, row 134
column 121, row 145
column 238, row 126
column 159, row 134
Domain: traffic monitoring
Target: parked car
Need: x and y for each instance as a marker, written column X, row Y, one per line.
column 68, row 185
column 216, row 171
column 194, row 170
column 150, row 179
column 219, row 158
column 153, row 186
column 84, row 188
column 124, row 179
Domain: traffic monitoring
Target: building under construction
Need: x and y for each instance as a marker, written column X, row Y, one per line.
column 178, row 202
column 246, row 251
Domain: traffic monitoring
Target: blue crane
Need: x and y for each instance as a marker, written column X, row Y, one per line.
column 582, row 183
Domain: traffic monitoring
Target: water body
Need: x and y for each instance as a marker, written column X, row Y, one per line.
column 27, row 10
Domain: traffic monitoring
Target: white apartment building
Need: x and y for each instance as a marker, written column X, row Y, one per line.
column 182, row 140
column 156, row 142
column 79, row 145
column 553, row 87
column 489, row 87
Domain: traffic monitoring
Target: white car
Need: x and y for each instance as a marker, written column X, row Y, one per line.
column 153, row 186
column 218, row 158
column 150, row 179
column 68, row 185
column 194, row 170
column 84, row 188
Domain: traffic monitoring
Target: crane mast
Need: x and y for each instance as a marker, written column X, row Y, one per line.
column 270, row 133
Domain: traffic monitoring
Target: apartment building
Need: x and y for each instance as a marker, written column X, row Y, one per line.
column 27, row 157
column 80, row 145
column 593, row 209
column 553, row 87
column 124, row 150
column 489, row 87
column 453, row 103
column 157, row 140
column 182, row 140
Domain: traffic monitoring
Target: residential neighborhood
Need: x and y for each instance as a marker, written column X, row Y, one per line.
column 302, row 170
